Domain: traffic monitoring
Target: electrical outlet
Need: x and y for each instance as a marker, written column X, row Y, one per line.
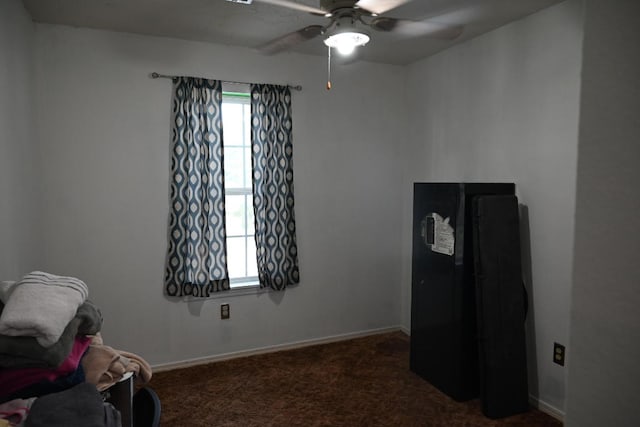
column 225, row 311
column 558, row 353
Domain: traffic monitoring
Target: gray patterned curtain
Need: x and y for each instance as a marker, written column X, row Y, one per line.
column 272, row 151
column 196, row 262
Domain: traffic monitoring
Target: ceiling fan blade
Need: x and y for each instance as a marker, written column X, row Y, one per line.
column 295, row 6
column 417, row 28
column 291, row 39
column 380, row 6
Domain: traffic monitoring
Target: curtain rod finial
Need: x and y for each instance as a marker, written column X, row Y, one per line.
column 155, row 75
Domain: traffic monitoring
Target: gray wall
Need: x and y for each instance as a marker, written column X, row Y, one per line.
column 504, row 107
column 103, row 126
column 604, row 377
column 20, row 244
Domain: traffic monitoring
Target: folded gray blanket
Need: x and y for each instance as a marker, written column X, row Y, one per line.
column 79, row 406
column 23, row 352
column 5, row 290
column 41, row 305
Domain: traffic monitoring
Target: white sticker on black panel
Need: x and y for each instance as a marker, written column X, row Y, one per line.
column 438, row 234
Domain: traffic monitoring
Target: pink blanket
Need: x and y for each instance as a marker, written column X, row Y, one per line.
column 13, row 380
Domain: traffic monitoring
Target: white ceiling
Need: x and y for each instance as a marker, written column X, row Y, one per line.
column 251, row 26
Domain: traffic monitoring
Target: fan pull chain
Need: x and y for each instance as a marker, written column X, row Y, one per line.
column 329, row 69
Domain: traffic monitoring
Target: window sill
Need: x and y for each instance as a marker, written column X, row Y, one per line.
column 245, row 285
column 248, row 288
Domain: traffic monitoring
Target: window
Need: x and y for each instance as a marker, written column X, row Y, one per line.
column 257, row 129
column 241, row 244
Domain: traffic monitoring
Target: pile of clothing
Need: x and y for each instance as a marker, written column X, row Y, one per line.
column 51, row 351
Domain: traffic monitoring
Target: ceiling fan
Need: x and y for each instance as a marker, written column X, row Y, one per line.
column 349, row 21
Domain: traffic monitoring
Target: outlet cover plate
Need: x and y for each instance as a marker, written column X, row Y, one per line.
column 558, row 353
column 225, row 311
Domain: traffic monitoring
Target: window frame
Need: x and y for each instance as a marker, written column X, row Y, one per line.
column 243, row 98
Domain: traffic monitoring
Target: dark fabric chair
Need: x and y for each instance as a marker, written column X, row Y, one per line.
column 146, row 408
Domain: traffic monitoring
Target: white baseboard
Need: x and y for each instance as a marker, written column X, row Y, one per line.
column 546, row 408
column 272, row 348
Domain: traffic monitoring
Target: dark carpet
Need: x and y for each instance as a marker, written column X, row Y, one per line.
column 360, row 382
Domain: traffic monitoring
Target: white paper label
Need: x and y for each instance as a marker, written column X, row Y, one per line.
column 443, row 240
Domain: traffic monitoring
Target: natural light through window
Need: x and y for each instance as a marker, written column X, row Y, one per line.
column 241, row 246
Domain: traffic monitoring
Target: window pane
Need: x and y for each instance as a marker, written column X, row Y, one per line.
column 233, row 167
column 235, row 210
column 248, row 169
column 232, row 122
column 236, row 257
column 252, row 264
column 247, row 125
column 251, row 225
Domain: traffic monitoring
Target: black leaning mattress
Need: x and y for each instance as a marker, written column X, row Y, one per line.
column 500, row 306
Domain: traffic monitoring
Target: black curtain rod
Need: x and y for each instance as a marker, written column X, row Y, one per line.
column 155, row 75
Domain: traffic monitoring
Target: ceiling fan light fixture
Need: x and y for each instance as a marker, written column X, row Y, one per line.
column 345, row 42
